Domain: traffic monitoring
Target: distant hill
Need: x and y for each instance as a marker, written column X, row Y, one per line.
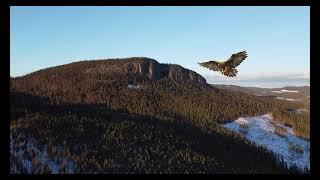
column 299, row 94
column 137, row 115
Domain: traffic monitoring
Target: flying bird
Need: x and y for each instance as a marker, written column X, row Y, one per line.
column 227, row 68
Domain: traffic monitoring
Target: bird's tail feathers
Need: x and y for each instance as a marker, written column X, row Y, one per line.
column 232, row 73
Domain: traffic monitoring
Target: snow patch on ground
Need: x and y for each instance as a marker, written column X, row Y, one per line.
column 288, row 99
column 293, row 99
column 284, row 90
column 279, row 92
column 299, row 111
column 130, row 86
column 261, row 130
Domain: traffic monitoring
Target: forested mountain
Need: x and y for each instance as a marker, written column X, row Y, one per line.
column 136, row 115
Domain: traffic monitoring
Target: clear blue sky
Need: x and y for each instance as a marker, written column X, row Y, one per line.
column 276, row 38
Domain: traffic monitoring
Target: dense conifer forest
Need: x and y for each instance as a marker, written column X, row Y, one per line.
column 135, row 115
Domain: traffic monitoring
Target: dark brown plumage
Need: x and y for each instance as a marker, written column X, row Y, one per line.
column 227, row 68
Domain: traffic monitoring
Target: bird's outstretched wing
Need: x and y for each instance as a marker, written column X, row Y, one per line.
column 236, row 59
column 213, row 65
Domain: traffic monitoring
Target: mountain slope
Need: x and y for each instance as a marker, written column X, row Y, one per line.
column 136, row 115
column 109, row 82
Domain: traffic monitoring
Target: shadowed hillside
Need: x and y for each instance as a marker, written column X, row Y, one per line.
column 136, row 115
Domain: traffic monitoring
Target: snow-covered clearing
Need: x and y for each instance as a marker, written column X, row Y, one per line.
column 54, row 165
column 261, row 130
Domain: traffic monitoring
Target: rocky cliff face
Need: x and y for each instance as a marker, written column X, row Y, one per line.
column 151, row 69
